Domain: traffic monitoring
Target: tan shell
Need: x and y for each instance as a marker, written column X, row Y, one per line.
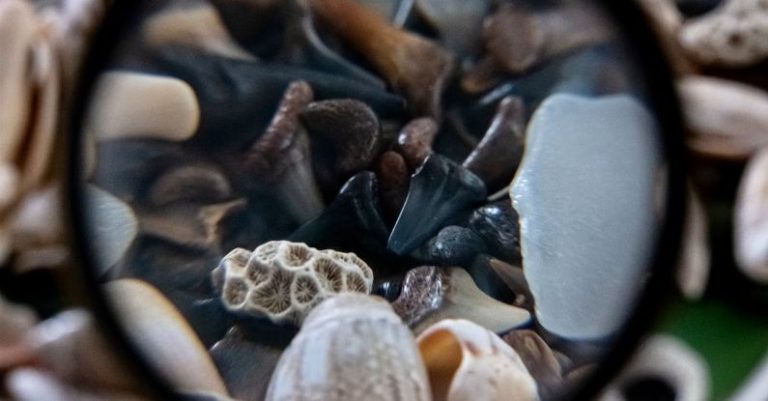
column 728, row 119
column 129, row 105
column 164, row 337
column 197, row 26
column 751, row 219
column 693, row 272
column 734, row 35
column 467, row 362
column 284, row 280
column 352, row 347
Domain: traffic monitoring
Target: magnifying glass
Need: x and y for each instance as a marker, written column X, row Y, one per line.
column 341, row 199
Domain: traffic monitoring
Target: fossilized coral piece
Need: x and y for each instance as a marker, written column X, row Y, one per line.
column 284, row 280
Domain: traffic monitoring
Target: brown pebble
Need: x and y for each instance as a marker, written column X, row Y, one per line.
column 393, row 176
column 415, row 141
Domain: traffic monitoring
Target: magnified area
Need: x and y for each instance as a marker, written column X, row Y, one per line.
column 372, row 199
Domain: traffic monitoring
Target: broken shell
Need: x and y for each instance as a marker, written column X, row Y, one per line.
column 498, row 154
column 727, row 119
column 668, row 360
column 497, row 223
column 115, row 227
column 352, row 221
column 351, row 126
column 412, row 65
column 567, row 259
column 392, row 174
column 430, row 294
column 18, row 27
column 130, row 105
column 540, row 361
column 196, row 25
column 163, row 337
column 751, row 220
column 731, row 36
column 352, row 347
column 466, row 362
column 280, row 159
column 194, row 183
column 284, row 280
column 693, row 272
column 245, row 365
column 440, row 186
column 415, row 141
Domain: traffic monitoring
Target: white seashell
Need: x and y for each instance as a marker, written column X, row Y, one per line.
column 352, row 347
column 164, row 337
column 751, row 219
column 467, row 362
column 669, row 360
column 129, row 105
column 284, row 280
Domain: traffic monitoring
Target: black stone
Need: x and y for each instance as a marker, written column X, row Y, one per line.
column 453, row 246
column 498, row 225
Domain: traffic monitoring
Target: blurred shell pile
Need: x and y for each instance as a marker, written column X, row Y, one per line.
column 285, row 280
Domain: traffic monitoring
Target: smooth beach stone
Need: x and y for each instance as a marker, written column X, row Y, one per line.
column 585, row 196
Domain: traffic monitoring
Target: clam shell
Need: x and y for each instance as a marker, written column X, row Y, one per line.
column 164, row 337
column 351, row 347
column 467, row 362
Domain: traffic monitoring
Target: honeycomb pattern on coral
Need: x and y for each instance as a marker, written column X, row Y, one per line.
column 284, row 280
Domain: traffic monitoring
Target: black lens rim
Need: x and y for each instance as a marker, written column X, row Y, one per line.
column 654, row 70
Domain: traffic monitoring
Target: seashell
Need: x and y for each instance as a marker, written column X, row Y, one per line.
column 358, row 349
column 727, row 119
column 115, row 226
column 195, row 183
column 751, row 220
column 141, row 105
column 352, row 221
column 566, row 259
column 73, row 335
column 445, row 16
column 163, row 337
column 194, row 226
column 37, row 223
column 444, row 188
column 663, row 361
column 351, row 126
column 280, row 160
column 430, row 294
column 18, row 29
column 730, row 36
column 394, row 179
column 452, row 246
column 31, row 384
column 497, row 224
column 466, row 362
column 498, row 154
column 413, row 65
column 284, row 280
column 693, row 272
column 540, row 361
column 245, row 365
column 415, row 141
column 195, row 25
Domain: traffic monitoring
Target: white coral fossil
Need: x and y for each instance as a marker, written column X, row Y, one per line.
column 284, row 280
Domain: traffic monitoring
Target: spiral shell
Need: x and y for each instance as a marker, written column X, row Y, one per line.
column 352, row 347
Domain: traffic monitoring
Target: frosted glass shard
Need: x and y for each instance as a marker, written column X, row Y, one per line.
column 585, row 196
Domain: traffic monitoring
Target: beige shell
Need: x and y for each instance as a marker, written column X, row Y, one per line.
column 467, row 362
column 728, row 119
column 693, row 271
column 284, row 280
column 164, row 337
column 130, row 104
column 352, row 347
column 734, row 35
column 751, row 219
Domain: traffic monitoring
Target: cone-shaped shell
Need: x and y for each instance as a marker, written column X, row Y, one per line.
column 352, row 347
column 467, row 362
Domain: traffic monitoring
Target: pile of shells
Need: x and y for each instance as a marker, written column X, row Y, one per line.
column 345, row 200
